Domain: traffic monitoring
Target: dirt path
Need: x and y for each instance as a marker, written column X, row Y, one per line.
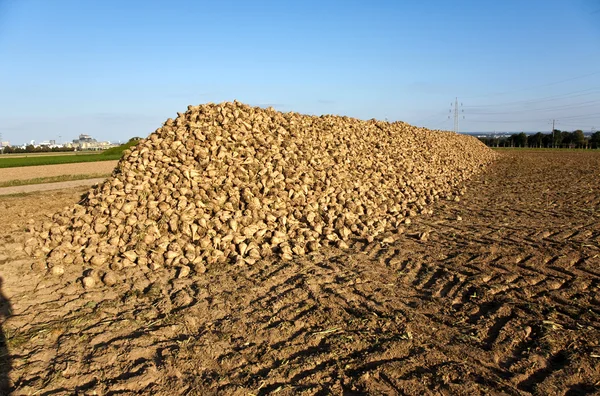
column 48, row 186
column 495, row 294
column 32, row 172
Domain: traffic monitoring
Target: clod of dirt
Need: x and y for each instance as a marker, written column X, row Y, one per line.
column 233, row 183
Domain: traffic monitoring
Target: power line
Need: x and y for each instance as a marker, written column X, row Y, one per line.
column 535, row 86
column 568, row 95
column 583, row 116
column 544, row 109
column 567, row 117
column 580, row 126
column 440, row 124
column 439, row 116
column 531, row 110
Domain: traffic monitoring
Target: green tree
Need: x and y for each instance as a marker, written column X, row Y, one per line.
column 536, row 140
column 547, row 140
column 557, row 138
column 566, row 138
column 522, row 140
column 595, row 140
column 579, row 138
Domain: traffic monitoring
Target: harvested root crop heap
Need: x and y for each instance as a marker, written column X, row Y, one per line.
column 233, row 183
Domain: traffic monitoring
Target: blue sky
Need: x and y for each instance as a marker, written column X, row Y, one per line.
column 116, row 69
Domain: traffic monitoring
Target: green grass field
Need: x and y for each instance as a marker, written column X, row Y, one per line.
column 33, row 159
column 8, row 162
column 50, row 154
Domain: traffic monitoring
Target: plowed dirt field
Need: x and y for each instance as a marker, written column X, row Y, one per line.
column 32, row 172
column 498, row 293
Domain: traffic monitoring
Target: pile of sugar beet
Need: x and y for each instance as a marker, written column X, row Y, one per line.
column 230, row 183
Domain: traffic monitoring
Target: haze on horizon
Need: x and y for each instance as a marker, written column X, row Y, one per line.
column 116, row 69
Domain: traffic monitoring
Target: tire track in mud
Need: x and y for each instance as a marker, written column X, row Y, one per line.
column 518, row 281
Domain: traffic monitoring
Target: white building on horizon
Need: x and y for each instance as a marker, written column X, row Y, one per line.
column 87, row 142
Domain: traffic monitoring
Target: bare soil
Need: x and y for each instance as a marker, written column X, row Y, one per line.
column 497, row 293
column 29, row 188
column 33, row 172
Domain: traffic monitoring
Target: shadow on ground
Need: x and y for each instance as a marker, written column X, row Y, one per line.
column 5, row 362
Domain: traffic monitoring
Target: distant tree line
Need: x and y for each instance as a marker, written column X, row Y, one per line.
column 558, row 139
column 30, row 148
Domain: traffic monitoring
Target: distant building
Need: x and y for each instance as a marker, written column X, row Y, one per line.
column 86, row 142
column 83, row 139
